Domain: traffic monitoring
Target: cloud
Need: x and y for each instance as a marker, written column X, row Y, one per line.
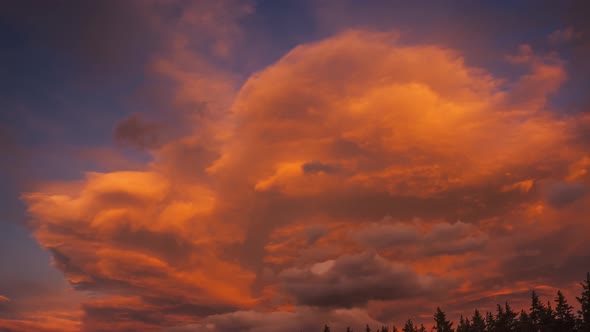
column 303, row 319
column 559, row 194
column 456, row 247
column 546, row 76
column 105, row 240
column 14, row 325
column 415, row 112
column 318, row 167
column 263, row 205
column 126, row 314
column 432, row 239
column 563, row 35
column 523, row 186
column 550, row 250
column 134, row 131
column 354, row 280
column 314, row 233
column 390, row 235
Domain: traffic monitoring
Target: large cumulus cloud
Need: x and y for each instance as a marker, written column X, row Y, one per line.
column 279, row 205
column 415, row 120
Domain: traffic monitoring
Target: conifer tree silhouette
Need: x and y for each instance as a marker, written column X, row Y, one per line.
column 537, row 311
column 490, row 321
column 525, row 324
column 442, row 324
column 540, row 318
column 564, row 317
column 478, row 323
column 464, row 325
column 409, row 327
column 548, row 320
column 505, row 320
column 584, row 300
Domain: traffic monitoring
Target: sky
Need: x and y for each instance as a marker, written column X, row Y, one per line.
column 277, row 165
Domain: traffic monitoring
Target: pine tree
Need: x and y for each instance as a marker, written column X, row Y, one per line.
column 442, row 324
column 537, row 311
column 548, row 319
column 564, row 317
column 584, row 300
column 464, row 325
column 490, row 322
column 542, row 318
column 394, row 329
column 478, row 324
column 525, row 323
column 499, row 320
column 409, row 327
column 505, row 320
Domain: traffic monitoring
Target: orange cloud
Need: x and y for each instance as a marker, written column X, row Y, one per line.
column 523, row 186
column 41, row 326
column 52, row 321
column 281, row 202
column 415, row 120
column 135, row 233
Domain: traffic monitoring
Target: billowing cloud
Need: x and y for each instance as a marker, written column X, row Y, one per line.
column 106, row 239
column 354, row 280
column 420, row 122
column 355, row 172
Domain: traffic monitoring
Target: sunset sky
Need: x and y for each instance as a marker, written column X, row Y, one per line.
column 278, row 165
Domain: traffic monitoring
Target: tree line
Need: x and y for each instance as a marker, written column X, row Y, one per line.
column 541, row 317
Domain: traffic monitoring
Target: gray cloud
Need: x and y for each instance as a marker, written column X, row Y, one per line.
column 381, row 236
column 137, row 132
column 443, row 238
column 541, row 257
column 353, row 280
column 159, row 314
column 452, row 239
column 455, row 246
column 449, row 230
column 560, row 194
column 314, row 233
column 318, row 167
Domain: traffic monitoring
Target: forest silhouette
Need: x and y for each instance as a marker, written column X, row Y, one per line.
column 558, row 316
